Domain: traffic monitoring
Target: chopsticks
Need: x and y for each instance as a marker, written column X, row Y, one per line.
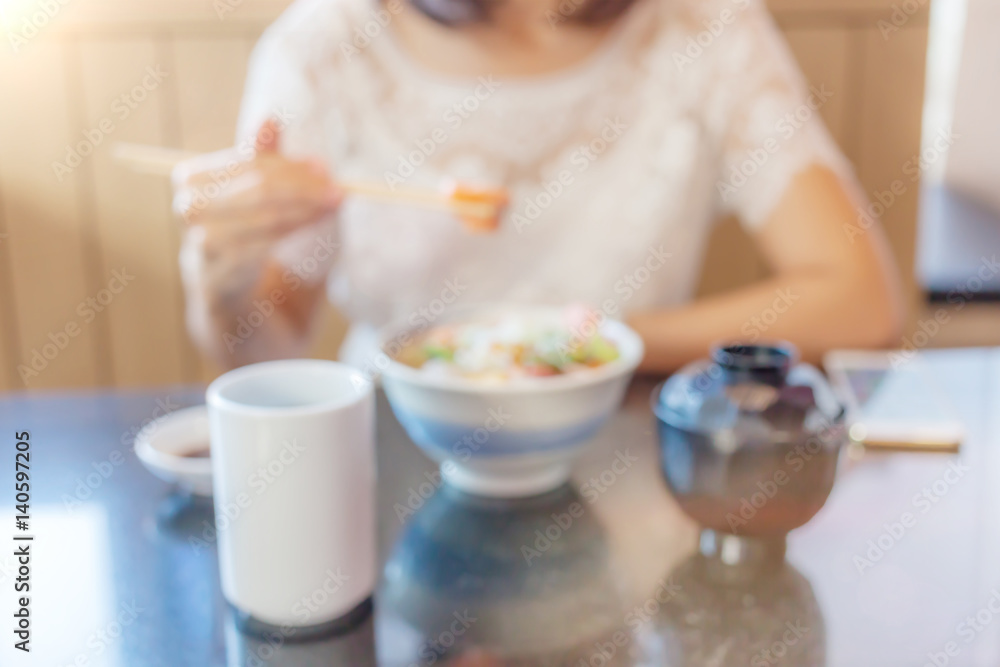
column 156, row 160
column 478, row 209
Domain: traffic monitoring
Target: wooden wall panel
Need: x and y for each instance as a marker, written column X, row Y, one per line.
column 889, row 125
column 730, row 260
column 825, row 56
column 192, row 16
column 196, row 14
column 210, row 72
column 45, row 248
column 210, row 76
column 123, row 82
column 330, row 333
column 9, row 350
column 840, row 7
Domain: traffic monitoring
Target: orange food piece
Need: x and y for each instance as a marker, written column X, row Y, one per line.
column 491, row 201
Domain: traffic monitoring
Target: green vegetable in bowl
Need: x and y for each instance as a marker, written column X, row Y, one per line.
column 433, row 350
column 600, row 350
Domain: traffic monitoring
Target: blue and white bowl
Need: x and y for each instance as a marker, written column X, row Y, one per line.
column 518, row 438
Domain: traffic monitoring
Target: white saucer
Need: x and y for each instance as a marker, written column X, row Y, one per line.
column 163, row 444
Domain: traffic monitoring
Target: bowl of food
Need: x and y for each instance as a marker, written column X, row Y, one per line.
column 504, row 398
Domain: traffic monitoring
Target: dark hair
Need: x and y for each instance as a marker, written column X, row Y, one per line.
column 464, row 12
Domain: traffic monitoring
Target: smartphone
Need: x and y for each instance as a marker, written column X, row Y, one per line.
column 893, row 403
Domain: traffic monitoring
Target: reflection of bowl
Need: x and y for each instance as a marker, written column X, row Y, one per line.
column 532, row 575
column 512, row 439
column 175, row 448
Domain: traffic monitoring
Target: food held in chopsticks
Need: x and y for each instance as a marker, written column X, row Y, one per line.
column 478, row 209
column 491, row 203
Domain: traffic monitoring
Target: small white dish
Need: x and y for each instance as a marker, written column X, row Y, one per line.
column 168, row 447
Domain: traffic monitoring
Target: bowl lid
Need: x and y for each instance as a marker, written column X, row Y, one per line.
column 751, row 391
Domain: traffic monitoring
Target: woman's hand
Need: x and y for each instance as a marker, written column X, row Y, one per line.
column 235, row 210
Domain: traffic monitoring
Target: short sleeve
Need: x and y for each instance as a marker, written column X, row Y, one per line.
column 765, row 117
column 282, row 84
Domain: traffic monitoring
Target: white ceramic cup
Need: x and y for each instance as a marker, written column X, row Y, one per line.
column 293, row 464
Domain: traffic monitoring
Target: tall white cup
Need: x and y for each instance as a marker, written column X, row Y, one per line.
column 293, row 464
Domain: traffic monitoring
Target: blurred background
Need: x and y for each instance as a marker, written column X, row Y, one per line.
column 89, row 286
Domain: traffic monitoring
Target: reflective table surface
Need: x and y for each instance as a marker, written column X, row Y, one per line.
column 604, row 572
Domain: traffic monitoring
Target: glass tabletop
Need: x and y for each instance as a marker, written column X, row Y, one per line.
column 604, row 571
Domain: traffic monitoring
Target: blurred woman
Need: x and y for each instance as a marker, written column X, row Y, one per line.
column 620, row 128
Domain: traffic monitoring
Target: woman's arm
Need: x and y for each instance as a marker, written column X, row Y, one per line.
column 830, row 289
column 222, row 329
column 244, row 306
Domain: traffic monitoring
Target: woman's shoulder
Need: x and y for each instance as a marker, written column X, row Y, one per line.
column 310, row 31
column 715, row 42
column 297, row 58
column 707, row 23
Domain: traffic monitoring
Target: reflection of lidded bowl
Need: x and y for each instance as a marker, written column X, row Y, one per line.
column 749, row 439
column 769, row 618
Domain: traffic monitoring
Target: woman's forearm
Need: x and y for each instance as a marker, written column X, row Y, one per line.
column 815, row 310
column 830, row 289
column 273, row 321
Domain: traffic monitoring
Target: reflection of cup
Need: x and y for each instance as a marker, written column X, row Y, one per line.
column 279, row 649
column 293, row 461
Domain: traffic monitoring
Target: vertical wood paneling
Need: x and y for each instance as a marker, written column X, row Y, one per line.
column 210, row 75
column 330, row 333
column 123, row 81
column 824, row 55
column 731, row 259
column 45, row 244
column 889, row 124
column 8, row 318
column 193, row 366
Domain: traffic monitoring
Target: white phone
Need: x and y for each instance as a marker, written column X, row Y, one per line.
column 893, row 404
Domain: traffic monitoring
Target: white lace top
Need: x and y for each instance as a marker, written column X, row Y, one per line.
column 616, row 167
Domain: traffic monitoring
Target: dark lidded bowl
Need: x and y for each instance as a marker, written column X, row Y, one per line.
column 749, row 439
